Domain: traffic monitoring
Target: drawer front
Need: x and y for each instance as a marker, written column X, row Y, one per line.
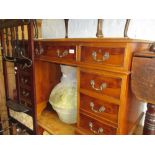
column 95, row 127
column 103, row 55
column 60, row 52
column 99, row 108
column 101, row 84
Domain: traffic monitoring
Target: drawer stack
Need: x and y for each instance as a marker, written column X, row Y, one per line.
column 100, row 90
column 99, row 101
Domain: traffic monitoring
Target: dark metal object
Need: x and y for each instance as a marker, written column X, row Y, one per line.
column 99, row 33
column 16, row 106
column 22, row 55
column 66, row 27
column 126, row 28
column 25, row 61
column 18, row 51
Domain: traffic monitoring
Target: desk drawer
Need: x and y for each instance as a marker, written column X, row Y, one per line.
column 99, row 108
column 101, row 84
column 103, row 55
column 95, row 127
column 60, row 52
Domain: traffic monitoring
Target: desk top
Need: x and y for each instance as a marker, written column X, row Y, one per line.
column 111, row 40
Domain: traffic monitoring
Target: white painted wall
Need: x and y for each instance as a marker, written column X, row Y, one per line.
column 86, row 28
column 81, row 28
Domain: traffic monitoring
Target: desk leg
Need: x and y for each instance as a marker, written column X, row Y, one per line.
column 149, row 124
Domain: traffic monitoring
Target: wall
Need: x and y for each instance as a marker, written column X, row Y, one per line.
column 83, row 28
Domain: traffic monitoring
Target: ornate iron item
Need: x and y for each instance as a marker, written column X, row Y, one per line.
column 126, row 28
column 66, row 27
column 101, row 87
column 99, row 131
column 101, row 109
column 99, row 33
column 105, row 57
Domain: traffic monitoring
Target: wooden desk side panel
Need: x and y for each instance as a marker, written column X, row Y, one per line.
column 47, row 75
column 131, row 109
column 135, row 107
column 135, row 110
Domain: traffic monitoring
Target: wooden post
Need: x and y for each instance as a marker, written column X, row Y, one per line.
column 99, row 33
column 126, row 28
column 149, row 125
column 66, row 27
column 3, row 109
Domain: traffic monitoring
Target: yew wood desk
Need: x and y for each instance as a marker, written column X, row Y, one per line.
column 106, row 104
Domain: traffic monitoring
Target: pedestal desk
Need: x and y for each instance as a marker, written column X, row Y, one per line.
column 106, row 104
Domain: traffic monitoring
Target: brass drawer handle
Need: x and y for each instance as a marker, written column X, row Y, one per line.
column 100, row 130
column 101, row 109
column 25, row 94
column 105, row 56
column 65, row 53
column 101, row 87
column 24, row 80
